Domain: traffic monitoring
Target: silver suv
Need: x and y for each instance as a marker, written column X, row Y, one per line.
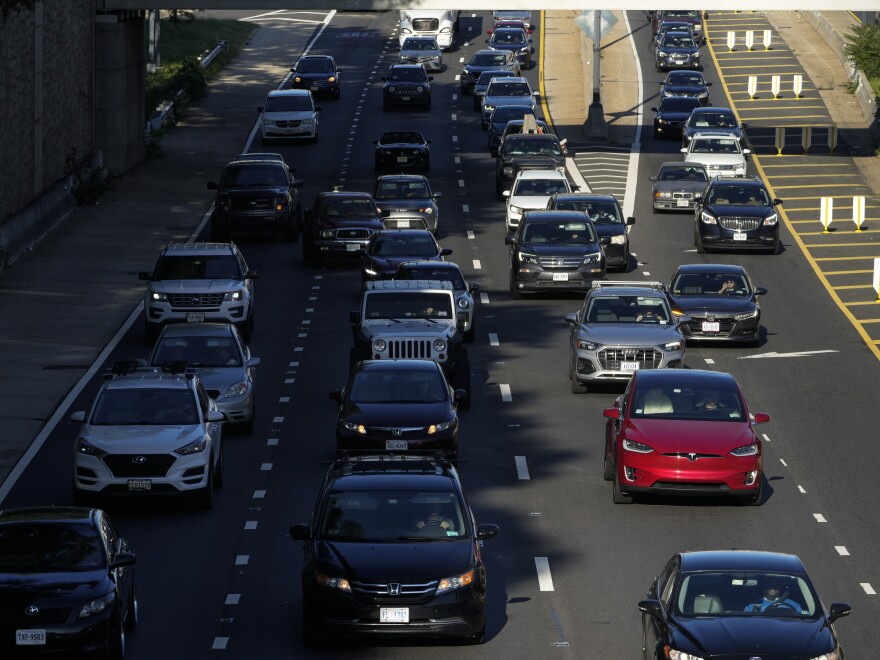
column 150, row 432
column 411, row 319
column 622, row 327
column 720, row 151
column 198, row 282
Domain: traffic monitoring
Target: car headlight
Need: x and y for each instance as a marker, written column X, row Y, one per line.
column 443, row 426
column 638, row 447
column 590, row 259
column 524, row 51
column 746, row 315
column 708, row 218
column 662, row 54
column 391, row 88
column 672, row 345
column 527, row 258
column 308, row 122
column 515, row 209
column 661, row 121
column 488, row 107
column 379, row 345
column 465, row 73
column 439, row 345
column 696, row 56
column 371, row 271
column 268, row 122
column 587, row 345
column 620, row 239
column 326, row 233
column 354, row 427
column 771, row 220
column 96, row 606
column 427, row 210
column 280, row 204
column 331, row 79
column 674, row 654
column 239, row 389
column 463, row 303
column 233, row 295
column 666, row 92
column 446, row 30
column 405, row 31
column 156, row 296
column 332, row 582
column 703, row 95
column 748, row 450
column 195, row 447
column 83, row 447
column 456, row 582
column 297, row 79
column 507, row 171
column 741, row 168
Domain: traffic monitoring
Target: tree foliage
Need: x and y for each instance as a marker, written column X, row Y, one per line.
column 8, row 7
column 863, row 48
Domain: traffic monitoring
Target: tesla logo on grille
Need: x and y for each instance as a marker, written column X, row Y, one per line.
column 31, row 610
column 692, row 457
column 393, row 589
column 139, row 460
column 396, row 432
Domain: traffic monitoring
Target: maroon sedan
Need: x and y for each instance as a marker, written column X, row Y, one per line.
column 683, row 432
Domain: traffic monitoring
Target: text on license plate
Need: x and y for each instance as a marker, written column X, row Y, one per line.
column 394, row 615
column 629, row 366
column 404, row 98
column 140, row 484
column 403, row 224
column 682, row 202
column 400, row 445
column 195, row 317
column 709, row 326
column 30, row 636
column 739, row 236
column 402, row 159
column 314, row 88
column 560, row 277
column 352, row 247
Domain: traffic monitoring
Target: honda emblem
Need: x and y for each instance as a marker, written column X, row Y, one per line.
column 393, row 588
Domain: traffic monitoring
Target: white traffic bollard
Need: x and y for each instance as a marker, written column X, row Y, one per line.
column 859, row 211
column 753, row 87
column 798, row 85
column 750, row 39
column 877, row 277
column 768, row 36
column 731, row 40
column 775, row 86
column 826, row 212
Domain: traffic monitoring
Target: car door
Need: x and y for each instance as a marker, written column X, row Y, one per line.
column 123, row 576
column 655, row 630
column 214, row 429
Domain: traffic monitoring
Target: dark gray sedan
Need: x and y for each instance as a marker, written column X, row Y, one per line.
column 676, row 184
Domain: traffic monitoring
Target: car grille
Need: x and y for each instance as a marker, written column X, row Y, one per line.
column 154, row 465
column 252, row 203
column 682, row 195
column 195, row 299
column 740, row 224
column 406, row 590
column 360, row 234
column 410, row 348
column 409, row 223
column 721, row 168
column 13, row 615
column 566, row 263
column 396, row 432
column 418, row 58
column 407, row 89
column 611, row 358
column 425, row 24
column 285, row 123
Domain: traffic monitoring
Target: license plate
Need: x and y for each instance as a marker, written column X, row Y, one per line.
column 140, row 484
column 396, row 445
column 560, row 277
column 683, row 202
column 679, row 61
column 629, row 366
column 402, row 159
column 404, row 98
column 314, row 88
column 403, row 224
column 195, row 317
column 739, row 236
column 30, row 636
column 352, row 247
column 394, row 614
column 709, row 326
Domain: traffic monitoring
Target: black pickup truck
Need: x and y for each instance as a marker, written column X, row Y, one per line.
column 339, row 225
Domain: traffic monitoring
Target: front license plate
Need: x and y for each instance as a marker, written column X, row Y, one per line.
column 396, row 445
column 403, row 224
column 140, row 484
column 404, row 98
column 30, row 637
column 679, row 61
column 195, row 317
column 560, row 277
column 394, row 614
column 352, row 247
column 683, row 202
column 739, row 236
column 629, row 366
column 708, row 326
column 314, row 88
column 402, row 159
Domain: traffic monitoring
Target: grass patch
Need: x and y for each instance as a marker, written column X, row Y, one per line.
column 178, row 41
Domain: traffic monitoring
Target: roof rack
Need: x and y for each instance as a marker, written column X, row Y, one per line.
column 602, row 284
column 122, row 367
column 176, row 367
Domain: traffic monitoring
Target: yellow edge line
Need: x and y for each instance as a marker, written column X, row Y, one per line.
column 834, row 245
column 860, row 304
column 843, row 233
column 544, row 107
column 869, row 341
column 847, row 272
column 871, row 258
column 870, row 321
column 854, row 286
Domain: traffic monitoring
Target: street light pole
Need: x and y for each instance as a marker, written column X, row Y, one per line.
column 596, row 128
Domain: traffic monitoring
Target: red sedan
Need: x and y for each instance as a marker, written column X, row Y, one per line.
column 683, row 432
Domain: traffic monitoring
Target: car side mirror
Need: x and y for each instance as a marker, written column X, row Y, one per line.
column 215, row 416
column 761, row 418
column 530, row 41
column 487, row 531
column 743, row 125
column 760, row 291
column 630, row 220
column 78, row 416
column 683, row 150
column 296, row 183
column 611, row 413
column 430, row 78
column 487, row 41
column 510, row 240
column 375, row 141
column 145, row 276
column 506, row 193
column 250, row 275
column 777, row 202
column 571, row 318
column 299, row 532
column 575, row 187
column 474, row 287
column 445, row 252
column 652, row 178
column 747, row 151
column 317, row 108
column 252, row 362
column 651, row 607
column 212, row 185
column 708, row 84
column 123, row 559
column 437, row 195
column 459, row 395
column 335, row 395
column 838, row 610
column 488, row 32
column 384, row 78
column 293, row 69
column 428, row 141
column 653, row 109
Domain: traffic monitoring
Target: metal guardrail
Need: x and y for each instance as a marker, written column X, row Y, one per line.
column 161, row 115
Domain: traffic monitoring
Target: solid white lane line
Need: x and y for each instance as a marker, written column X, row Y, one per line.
column 493, row 339
column 250, row 524
column 819, row 517
column 232, row 599
column 522, row 468
column 259, row 494
column 477, row 265
column 265, row 467
column 782, row 460
column 505, row 392
column 272, row 442
column 219, row 643
column 801, row 489
column 484, row 298
column 242, row 560
column 471, row 235
column 545, row 580
column 277, row 420
column 841, row 550
column 868, row 588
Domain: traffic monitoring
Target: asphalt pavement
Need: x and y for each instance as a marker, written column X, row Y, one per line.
column 74, row 291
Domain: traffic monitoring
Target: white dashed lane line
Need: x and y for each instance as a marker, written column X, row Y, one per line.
column 250, row 524
column 545, row 580
column 242, row 560
column 471, row 235
column 493, row 339
column 522, row 468
column 484, row 298
column 265, row 467
column 465, row 208
column 801, row 489
column 271, row 442
column 766, row 437
column 782, row 460
column 819, row 517
column 505, row 393
column 868, row 588
column 477, row 265
column 277, row 420
column 284, row 399
column 259, row 494
column 710, row 361
column 232, row 599
column 841, row 550
column 219, row 643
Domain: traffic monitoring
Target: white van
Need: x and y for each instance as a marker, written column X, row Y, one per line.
column 438, row 23
column 289, row 113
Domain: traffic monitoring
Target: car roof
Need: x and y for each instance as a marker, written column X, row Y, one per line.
column 421, row 37
column 540, row 174
column 344, row 193
column 433, row 265
column 199, row 249
column 507, row 29
column 585, row 197
column 739, row 181
column 290, row 92
column 513, row 79
column 708, row 560
column 152, row 378
column 712, row 109
column 392, row 473
column 531, row 136
column 197, row 330
column 315, row 57
column 680, row 163
column 715, row 134
column 405, row 232
column 402, row 177
column 711, row 268
column 679, row 377
column 407, row 66
column 48, row 514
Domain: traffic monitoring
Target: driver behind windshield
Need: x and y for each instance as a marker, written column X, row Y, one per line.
column 774, row 598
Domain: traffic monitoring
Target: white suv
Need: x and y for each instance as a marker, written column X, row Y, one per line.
column 289, row 113
column 720, row 151
column 532, row 189
column 198, row 282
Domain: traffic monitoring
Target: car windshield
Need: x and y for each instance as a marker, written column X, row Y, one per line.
column 678, row 41
column 678, row 104
column 388, row 516
column 681, row 13
column 601, row 213
column 559, row 233
column 715, row 146
column 682, row 173
column 156, row 406
column 408, row 304
column 540, row 187
column 349, row 207
column 402, row 190
column 738, row 195
column 37, row 547
column 403, row 246
column 254, row 174
column 745, row 593
column 408, row 74
column 314, row 65
column 713, row 120
column 397, row 386
column 487, row 76
column 488, row 59
column 685, row 78
column 711, row 284
column 451, row 275
column 208, row 267
column 289, row 103
column 504, row 88
column 402, row 138
column 703, row 400
column 198, row 351
column 420, row 44
column 628, row 309
column 527, row 147
column 508, row 36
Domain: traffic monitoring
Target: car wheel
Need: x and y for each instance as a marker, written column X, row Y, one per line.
column 699, row 243
column 577, row 387
column 205, row 497
column 775, row 248
column 218, row 470
column 245, row 328
column 116, row 646
column 470, row 334
column 498, row 189
column 248, row 426
column 314, row 138
column 131, row 619
column 758, row 497
column 151, row 332
column 626, row 260
column 617, row 495
column 607, row 469
column 461, row 378
column 514, row 290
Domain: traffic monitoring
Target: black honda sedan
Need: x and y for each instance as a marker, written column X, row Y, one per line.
column 398, row 405
column 67, row 583
column 737, row 604
column 671, row 115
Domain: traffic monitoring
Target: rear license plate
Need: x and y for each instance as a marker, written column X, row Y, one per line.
column 404, row 98
column 195, row 317
column 629, row 366
column 30, row 636
column 394, row 614
column 352, row 247
column 711, row 327
column 140, row 484
column 403, row 224
column 402, row 159
column 739, row 236
column 396, row 445
column 683, row 202
column 560, row 277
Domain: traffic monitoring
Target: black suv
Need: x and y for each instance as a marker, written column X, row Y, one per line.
column 339, row 224
column 607, row 217
column 255, row 195
column 407, row 85
column 392, row 548
column 317, row 73
column 526, row 151
column 407, row 202
column 712, row 118
column 738, row 213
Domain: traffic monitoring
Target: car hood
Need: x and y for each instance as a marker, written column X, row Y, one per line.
column 75, row 587
column 495, row 101
column 530, row 201
column 757, row 636
column 740, row 211
column 420, row 54
column 514, row 47
column 549, row 249
column 534, row 162
column 406, row 327
column 315, row 75
column 678, row 51
column 219, row 378
column 196, row 286
column 686, row 89
column 683, row 436
column 360, row 221
column 674, row 115
column 404, row 562
column 391, row 263
column 395, row 414
column 722, row 304
column 609, row 230
column 685, row 186
column 633, row 334
column 137, row 438
column 715, row 159
column 401, row 145
column 250, row 191
column 291, row 115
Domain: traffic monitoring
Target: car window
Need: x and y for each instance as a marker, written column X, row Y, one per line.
column 559, row 233
column 348, row 207
column 252, row 174
column 678, row 104
column 742, row 593
column 676, row 41
column 504, row 88
column 40, row 547
column 714, row 400
column 209, row 267
column 403, row 246
column 145, row 407
column 682, row 173
column 451, row 275
column 408, row 304
column 289, row 103
column 314, row 65
column 528, row 147
column 711, row 284
column 408, row 74
column 648, row 310
column 198, row 351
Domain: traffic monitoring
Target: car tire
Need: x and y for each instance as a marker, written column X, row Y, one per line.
column 218, row 470
column 248, row 426
column 471, row 334
column 607, row 468
column 617, row 495
column 515, row 293
column 758, row 498
column 205, row 496
column 461, row 378
column 699, row 243
column 131, row 619
column 577, row 387
column 314, row 138
column 775, row 248
column 245, row 328
column 116, row 644
column 627, row 257
column 427, row 106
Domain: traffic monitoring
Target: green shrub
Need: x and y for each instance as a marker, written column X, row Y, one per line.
column 186, row 75
column 863, row 48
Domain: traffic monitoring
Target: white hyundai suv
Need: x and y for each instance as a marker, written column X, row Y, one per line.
column 289, row 113
column 532, row 189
